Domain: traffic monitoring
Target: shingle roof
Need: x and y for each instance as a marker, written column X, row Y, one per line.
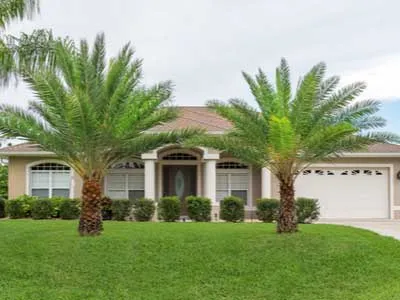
column 197, row 117
column 23, row 148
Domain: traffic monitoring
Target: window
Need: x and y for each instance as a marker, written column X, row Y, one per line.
column 50, row 180
column 179, row 156
column 125, row 185
column 232, row 180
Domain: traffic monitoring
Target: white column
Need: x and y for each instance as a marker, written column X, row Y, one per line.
column 210, row 177
column 150, row 179
column 265, row 183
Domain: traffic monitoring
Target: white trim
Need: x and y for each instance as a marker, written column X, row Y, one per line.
column 32, row 153
column 250, row 199
column 368, row 154
column 28, row 190
column 266, row 186
column 361, row 165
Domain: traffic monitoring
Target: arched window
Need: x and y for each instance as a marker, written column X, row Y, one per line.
column 50, row 180
column 232, row 180
column 125, row 180
column 179, row 156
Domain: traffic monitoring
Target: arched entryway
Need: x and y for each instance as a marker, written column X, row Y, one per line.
column 180, row 173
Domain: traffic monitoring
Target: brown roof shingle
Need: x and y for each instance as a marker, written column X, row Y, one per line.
column 196, row 117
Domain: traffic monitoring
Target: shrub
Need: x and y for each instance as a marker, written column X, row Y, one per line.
column 27, row 204
column 143, row 209
column 69, row 209
column 232, row 209
column 2, row 208
column 15, row 209
column 169, row 208
column 199, row 208
column 56, row 202
column 267, row 209
column 120, row 209
column 307, row 210
column 106, row 212
column 41, row 209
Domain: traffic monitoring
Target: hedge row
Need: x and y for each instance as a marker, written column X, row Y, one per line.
column 37, row 208
column 169, row 209
column 307, row 210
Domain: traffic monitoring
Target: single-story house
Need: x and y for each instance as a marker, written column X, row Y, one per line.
column 357, row 185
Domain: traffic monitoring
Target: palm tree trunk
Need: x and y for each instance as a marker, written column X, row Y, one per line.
column 90, row 222
column 287, row 213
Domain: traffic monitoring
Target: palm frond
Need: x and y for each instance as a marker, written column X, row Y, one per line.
column 11, row 10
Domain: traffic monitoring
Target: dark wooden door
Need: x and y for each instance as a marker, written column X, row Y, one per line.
column 180, row 181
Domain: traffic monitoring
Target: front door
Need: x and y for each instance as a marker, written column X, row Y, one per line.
column 179, row 181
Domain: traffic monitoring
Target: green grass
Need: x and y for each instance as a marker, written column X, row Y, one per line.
column 48, row 260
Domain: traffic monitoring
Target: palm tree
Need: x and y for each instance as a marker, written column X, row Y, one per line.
column 28, row 50
column 11, row 10
column 288, row 132
column 91, row 114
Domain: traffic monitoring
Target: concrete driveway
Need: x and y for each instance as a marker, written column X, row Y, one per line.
column 382, row 227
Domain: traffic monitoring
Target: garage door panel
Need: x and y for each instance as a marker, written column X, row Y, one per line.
column 347, row 192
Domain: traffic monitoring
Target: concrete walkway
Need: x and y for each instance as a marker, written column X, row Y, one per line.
column 382, row 227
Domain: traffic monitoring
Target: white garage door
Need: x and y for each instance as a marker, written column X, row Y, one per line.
column 347, row 192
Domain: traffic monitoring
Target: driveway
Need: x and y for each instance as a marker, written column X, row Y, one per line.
column 382, row 227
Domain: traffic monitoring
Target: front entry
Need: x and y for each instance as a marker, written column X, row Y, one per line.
column 179, row 181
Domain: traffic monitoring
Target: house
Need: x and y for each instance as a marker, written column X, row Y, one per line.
column 356, row 185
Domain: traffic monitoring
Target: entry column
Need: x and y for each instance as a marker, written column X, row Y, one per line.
column 210, row 178
column 150, row 179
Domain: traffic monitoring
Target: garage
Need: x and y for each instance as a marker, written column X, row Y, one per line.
column 352, row 192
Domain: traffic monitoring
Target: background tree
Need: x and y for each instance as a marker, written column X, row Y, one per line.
column 92, row 114
column 289, row 131
column 3, row 181
column 28, row 50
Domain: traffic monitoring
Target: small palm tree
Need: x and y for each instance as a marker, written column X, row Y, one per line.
column 92, row 114
column 288, row 132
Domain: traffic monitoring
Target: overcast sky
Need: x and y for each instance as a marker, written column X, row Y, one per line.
column 203, row 45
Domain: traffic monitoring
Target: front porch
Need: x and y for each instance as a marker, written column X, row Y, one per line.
column 177, row 171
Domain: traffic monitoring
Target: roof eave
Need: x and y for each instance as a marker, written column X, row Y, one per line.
column 371, row 154
column 32, row 153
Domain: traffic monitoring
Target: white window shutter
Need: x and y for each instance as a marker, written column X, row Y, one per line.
column 40, row 179
column 61, row 179
column 239, row 181
column 116, row 182
column 136, row 181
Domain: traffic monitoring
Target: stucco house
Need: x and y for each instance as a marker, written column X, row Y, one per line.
column 357, row 185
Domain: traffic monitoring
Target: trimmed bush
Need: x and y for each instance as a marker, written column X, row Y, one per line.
column 199, row 208
column 2, row 208
column 106, row 212
column 15, row 209
column 56, row 202
column 307, row 210
column 69, row 209
column 120, row 209
column 27, row 204
column 143, row 209
column 169, row 209
column 232, row 209
column 267, row 209
column 42, row 209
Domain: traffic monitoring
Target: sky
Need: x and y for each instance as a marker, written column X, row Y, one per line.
column 203, row 45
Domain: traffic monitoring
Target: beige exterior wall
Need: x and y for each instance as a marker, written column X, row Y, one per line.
column 17, row 180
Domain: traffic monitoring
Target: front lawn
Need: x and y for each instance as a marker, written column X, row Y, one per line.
column 48, row 260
